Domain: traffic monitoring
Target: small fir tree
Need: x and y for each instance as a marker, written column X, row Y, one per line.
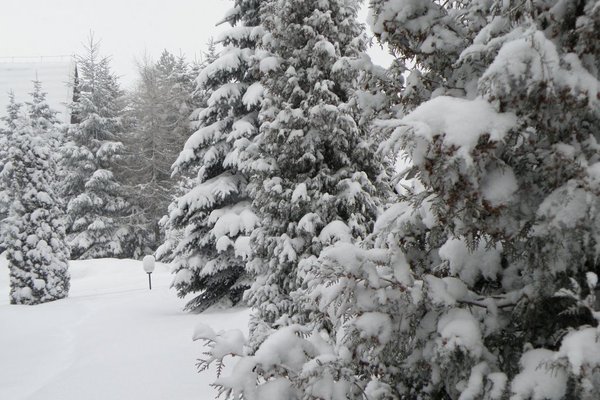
column 44, row 118
column 35, row 226
column 10, row 120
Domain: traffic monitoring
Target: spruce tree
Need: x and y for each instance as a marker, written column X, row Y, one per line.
column 13, row 110
column 214, row 216
column 184, row 180
column 316, row 181
column 314, row 171
column 35, row 227
column 102, row 223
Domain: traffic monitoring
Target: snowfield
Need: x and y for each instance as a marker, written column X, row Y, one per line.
column 112, row 339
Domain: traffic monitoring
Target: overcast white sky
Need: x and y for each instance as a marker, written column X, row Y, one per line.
column 127, row 28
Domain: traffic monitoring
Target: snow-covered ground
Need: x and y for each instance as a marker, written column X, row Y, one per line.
column 112, row 339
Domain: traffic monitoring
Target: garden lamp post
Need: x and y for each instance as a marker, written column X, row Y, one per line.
column 148, row 263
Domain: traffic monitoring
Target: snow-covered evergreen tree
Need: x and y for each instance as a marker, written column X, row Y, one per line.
column 44, row 118
column 41, row 115
column 4, row 202
column 185, row 180
column 12, row 114
column 35, row 227
column 158, row 114
column 316, row 180
column 314, row 171
column 101, row 221
column 480, row 282
column 214, row 216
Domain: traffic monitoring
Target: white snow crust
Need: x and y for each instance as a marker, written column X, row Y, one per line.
column 111, row 339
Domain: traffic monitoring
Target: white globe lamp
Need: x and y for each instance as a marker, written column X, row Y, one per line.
column 149, row 263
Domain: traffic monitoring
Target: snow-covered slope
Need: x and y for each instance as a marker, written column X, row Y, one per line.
column 112, row 339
